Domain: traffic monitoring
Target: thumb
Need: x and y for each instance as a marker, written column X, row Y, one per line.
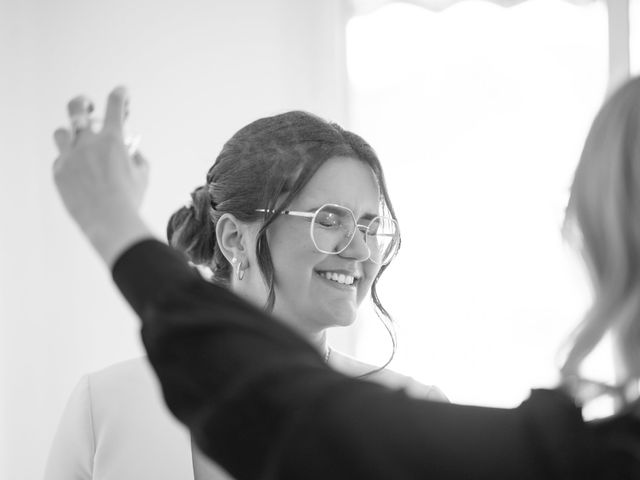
column 62, row 138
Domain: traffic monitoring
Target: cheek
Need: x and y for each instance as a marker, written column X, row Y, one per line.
column 293, row 254
column 370, row 272
column 288, row 233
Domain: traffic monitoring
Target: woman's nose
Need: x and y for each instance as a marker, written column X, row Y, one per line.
column 357, row 248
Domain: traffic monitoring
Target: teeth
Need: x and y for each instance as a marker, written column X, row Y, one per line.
column 338, row 277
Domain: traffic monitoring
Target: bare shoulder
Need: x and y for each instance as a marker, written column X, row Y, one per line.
column 397, row 381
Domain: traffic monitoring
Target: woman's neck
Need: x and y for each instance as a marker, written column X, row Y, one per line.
column 317, row 338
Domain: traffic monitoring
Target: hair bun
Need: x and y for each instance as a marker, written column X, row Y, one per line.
column 200, row 192
column 191, row 230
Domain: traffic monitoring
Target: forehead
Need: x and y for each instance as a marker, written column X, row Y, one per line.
column 343, row 180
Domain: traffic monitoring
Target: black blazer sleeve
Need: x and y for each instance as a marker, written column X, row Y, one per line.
column 260, row 400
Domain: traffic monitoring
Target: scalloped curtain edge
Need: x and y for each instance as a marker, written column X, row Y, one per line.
column 363, row 7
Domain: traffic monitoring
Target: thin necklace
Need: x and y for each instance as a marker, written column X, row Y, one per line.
column 327, row 354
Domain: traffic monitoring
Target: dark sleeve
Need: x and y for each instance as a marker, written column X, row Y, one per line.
column 260, row 400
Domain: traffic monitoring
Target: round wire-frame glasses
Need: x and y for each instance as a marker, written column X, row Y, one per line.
column 382, row 235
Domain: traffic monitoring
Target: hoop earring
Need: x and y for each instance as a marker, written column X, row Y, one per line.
column 239, row 269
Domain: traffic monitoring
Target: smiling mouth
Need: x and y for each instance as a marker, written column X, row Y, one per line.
column 339, row 279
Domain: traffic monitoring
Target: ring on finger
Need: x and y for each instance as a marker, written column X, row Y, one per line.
column 80, row 109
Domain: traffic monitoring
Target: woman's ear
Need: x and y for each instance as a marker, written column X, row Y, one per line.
column 233, row 237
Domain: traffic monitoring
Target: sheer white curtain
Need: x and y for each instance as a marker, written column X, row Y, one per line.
column 361, row 7
column 478, row 113
column 634, row 31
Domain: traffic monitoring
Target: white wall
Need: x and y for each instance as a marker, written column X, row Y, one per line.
column 198, row 70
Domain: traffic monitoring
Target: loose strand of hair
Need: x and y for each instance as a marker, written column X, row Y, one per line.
column 388, row 323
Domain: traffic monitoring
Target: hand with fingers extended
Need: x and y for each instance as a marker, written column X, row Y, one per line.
column 95, row 168
column 101, row 183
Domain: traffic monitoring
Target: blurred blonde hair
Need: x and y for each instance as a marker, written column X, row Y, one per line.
column 603, row 222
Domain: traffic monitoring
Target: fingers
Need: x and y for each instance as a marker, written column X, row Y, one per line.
column 117, row 109
column 80, row 109
column 80, row 105
column 62, row 137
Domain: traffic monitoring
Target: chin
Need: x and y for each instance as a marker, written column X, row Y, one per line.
column 340, row 319
column 342, row 323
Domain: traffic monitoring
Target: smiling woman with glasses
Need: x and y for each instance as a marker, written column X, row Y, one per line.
column 295, row 217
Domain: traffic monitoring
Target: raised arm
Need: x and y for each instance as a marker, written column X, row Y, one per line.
column 261, row 401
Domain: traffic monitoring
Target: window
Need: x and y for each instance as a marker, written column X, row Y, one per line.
column 479, row 113
column 634, row 33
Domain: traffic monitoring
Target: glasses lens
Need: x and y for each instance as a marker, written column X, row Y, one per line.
column 333, row 228
column 382, row 239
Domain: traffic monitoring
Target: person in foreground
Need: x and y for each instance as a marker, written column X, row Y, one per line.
column 294, row 217
column 260, row 399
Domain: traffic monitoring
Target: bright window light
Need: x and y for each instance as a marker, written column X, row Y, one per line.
column 634, row 33
column 478, row 114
